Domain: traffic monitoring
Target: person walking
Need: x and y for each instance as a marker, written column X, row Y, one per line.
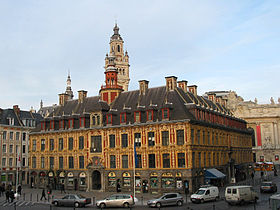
column 43, row 194
column 12, row 196
column 7, row 196
column 19, row 190
column 62, row 188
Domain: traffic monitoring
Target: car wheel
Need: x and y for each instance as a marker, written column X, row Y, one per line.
column 102, row 206
column 55, row 203
column 202, row 201
column 126, row 205
column 76, row 205
column 158, row 205
column 179, row 203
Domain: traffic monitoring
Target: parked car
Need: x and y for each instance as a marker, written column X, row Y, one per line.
column 207, row 193
column 166, row 200
column 72, row 200
column 116, row 200
column 268, row 187
column 240, row 195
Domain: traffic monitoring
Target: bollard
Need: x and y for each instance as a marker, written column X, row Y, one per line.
column 37, row 197
column 50, row 206
column 142, row 200
column 30, row 196
column 24, row 196
column 93, row 201
column 15, row 206
column 213, row 206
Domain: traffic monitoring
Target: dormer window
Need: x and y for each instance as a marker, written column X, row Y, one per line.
column 165, row 114
column 71, row 123
column 95, row 119
column 43, row 126
column 82, row 122
column 150, row 115
column 61, row 124
column 123, row 118
column 109, row 119
column 137, row 117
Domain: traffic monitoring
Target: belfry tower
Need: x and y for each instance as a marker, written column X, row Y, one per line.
column 69, row 91
column 121, row 59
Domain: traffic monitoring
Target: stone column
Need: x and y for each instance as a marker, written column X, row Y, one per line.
column 275, row 131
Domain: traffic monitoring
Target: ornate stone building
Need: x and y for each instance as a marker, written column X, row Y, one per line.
column 168, row 135
column 263, row 118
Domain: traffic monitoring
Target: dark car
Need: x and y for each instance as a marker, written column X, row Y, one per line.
column 167, row 199
column 71, row 200
column 268, row 187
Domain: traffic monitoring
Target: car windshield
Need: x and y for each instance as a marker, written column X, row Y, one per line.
column 200, row 192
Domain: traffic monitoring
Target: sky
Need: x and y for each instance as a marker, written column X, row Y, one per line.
column 216, row 45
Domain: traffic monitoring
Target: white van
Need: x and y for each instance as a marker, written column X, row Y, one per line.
column 240, row 194
column 207, row 193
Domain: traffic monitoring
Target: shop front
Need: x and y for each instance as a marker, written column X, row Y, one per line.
column 82, row 181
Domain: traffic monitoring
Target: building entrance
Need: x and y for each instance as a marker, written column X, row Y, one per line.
column 96, row 180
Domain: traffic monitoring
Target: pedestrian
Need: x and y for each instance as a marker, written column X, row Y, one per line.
column 43, row 194
column 7, row 196
column 118, row 187
column 19, row 190
column 62, row 188
column 252, row 175
column 275, row 172
column 12, row 196
column 1, row 190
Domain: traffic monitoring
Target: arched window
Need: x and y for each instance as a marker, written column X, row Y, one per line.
column 119, row 48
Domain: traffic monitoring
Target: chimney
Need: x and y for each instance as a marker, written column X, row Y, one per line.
column 183, row 85
column 82, row 95
column 212, row 97
column 143, row 86
column 63, row 97
column 16, row 109
column 171, row 83
column 193, row 89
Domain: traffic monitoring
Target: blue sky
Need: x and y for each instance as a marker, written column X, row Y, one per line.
column 216, row 45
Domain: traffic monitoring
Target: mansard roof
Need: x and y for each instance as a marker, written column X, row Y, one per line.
column 6, row 114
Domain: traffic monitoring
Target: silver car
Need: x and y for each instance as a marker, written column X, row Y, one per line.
column 167, row 200
column 116, row 200
column 72, row 200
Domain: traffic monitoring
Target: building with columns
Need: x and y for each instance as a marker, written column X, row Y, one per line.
column 264, row 119
column 154, row 138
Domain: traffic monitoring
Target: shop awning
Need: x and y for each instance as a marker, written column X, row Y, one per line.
column 213, row 173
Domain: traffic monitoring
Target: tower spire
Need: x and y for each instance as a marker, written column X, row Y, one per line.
column 69, row 91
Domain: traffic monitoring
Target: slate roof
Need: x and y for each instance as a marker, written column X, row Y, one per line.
column 5, row 114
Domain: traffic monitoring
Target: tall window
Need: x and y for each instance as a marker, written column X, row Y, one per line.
column 70, row 143
column 192, row 136
column 3, row 162
column 165, row 114
column 112, row 141
column 204, row 159
column 199, row 159
column 112, row 161
column 23, row 136
column 214, row 159
column 34, row 145
column 213, row 138
column 60, row 145
column 208, row 137
column 51, row 144
column 198, row 136
column 193, row 160
column 139, row 161
column 137, row 117
column 11, row 135
column 152, row 161
column 4, row 148
column 150, row 115
column 81, row 162
column 166, row 160
column 123, row 117
column 180, row 137
column 23, row 162
column 181, row 160
column 17, row 135
column 42, row 162
column 4, row 135
column 203, row 133
column 96, row 144
column 137, row 139
column 151, row 138
column 217, row 139
column 165, row 138
column 60, row 163
column 43, row 144
column 33, row 162
column 209, row 159
column 71, row 161
column 81, row 142
column 10, row 162
column 11, row 149
column 51, row 162
column 125, row 161
column 124, row 140
column 109, row 119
